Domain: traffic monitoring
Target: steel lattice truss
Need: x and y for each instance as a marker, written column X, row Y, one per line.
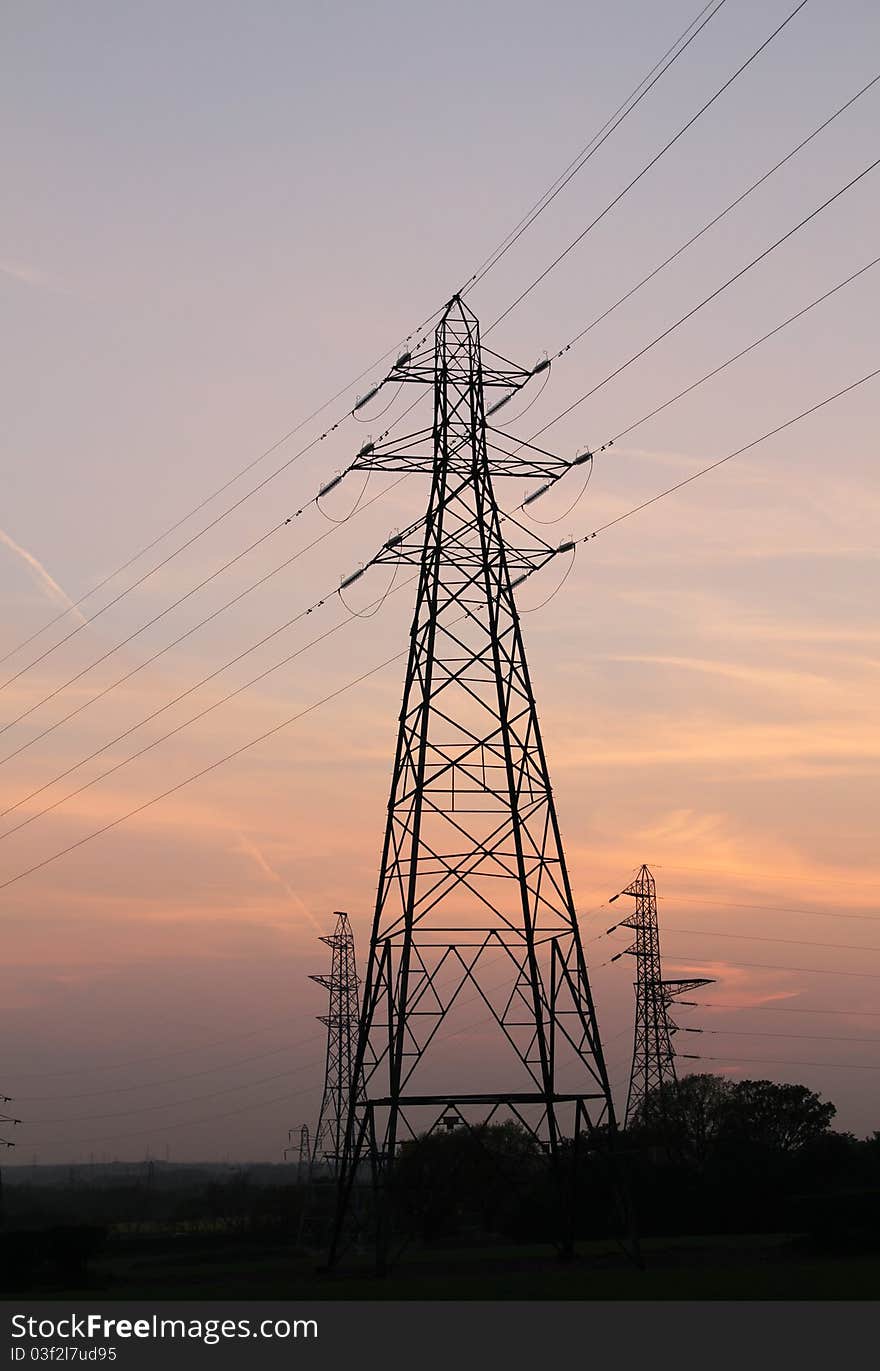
column 653, row 1063
column 303, row 1150
column 7, row 1119
column 474, row 901
column 341, row 1020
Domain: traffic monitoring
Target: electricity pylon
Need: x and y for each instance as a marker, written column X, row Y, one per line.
column 653, row 1063
column 7, row 1119
column 5, row 1142
column 303, row 1150
column 341, row 1020
column 474, row 900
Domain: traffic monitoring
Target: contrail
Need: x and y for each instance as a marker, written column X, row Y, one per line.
column 249, row 848
column 40, row 574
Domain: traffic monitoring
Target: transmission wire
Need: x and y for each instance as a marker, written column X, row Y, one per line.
column 717, row 218
column 481, row 271
column 372, row 671
column 590, row 148
column 707, row 299
column 654, row 160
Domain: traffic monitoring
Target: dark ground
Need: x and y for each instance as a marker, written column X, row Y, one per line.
column 213, row 1266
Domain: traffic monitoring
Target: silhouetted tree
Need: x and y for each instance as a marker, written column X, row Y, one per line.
column 687, row 1116
column 773, row 1116
column 704, row 1115
column 485, row 1178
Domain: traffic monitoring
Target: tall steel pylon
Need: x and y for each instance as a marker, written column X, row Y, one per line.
column 341, row 1020
column 653, row 1063
column 474, row 900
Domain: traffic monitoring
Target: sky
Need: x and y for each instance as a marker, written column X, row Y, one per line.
column 217, row 216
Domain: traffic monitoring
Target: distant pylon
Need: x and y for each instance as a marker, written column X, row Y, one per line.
column 474, row 899
column 303, row 1151
column 7, row 1119
column 305, row 1154
column 341, row 1020
column 5, row 1142
column 653, row 1063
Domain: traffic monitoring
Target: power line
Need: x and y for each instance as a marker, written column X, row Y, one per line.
column 713, row 466
column 775, row 908
column 172, row 1104
column 257, row 542
column 707, row 299
column 599, row 138
column 801, row 880
column 791, row 1009
column 208, row 498
column 811, row 1037
column 277, row 728
column 171, row 1080
column 161, row 710
column 175, row 604
column 168, row 609
column 153, row 1057
column 277, row 527
column 204, row 680
column 776, row 1061
column 187, row 723
column 763, row 966
column 743, row 352
column 718, row 217
column 465, row 1028
column 645, row 169
column 164, row 562
column 181, row 1123
column 139, row 668
column 763, row 938
column 484, row 268
column 106, row 690
column 147, row 804
column 707, row 376
column 208, row 709
column 98, row 660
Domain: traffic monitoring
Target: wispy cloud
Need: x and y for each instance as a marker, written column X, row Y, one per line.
column 764, row 677
column 28, row 276
column 250, row 849
column 740, row 746
column 40, row 575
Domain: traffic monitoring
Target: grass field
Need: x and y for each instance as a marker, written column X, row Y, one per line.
column 731, row 1268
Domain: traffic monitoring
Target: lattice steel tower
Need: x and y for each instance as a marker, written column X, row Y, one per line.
column 7, row 1121
column 341, row 1020
column 303, row 1150
column 474, row 900
column 653, row 1063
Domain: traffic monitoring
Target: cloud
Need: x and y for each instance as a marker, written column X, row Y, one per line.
column 761, row 676
column 720, row 855
column 40, row 575
column 744, row 749
column 29, row 276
